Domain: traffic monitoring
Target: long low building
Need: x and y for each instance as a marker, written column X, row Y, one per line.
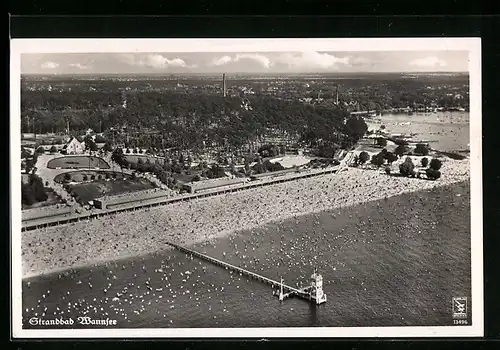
column 121, row 204
column 195, row 187
column 274, row 173
column 106, row 202
column 45, row 212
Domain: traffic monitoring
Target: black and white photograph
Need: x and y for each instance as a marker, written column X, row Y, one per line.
column 246, row 187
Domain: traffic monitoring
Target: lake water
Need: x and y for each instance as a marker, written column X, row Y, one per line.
column 449, row 131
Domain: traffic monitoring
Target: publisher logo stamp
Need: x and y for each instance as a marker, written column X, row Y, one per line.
column 459, row 307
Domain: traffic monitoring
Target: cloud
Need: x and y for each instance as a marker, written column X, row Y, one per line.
column 360, row 61
column 49, row 65
column 430, row 61
column 258, row 58
column 78, row 65
column 154, row 61
column 261, row 59
column 312, row 60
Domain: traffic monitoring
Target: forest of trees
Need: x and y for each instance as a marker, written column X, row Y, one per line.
column 33, row 191
column 184, row 119
column 191, row 117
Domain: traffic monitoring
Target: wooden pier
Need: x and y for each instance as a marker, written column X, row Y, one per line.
column 313, row 292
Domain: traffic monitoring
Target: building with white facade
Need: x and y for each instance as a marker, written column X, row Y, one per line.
column 74, row 147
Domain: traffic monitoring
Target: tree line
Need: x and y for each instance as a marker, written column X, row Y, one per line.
column 33, row 191
column 166, row 172
column 184, row 119
column 407, row 168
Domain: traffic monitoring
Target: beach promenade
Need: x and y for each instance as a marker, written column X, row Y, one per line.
column 39, row 218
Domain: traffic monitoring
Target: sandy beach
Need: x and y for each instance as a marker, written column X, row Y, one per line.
column 144, row 232
column 394, row 262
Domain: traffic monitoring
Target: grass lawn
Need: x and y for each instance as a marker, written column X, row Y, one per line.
column 78, row 176
column 91, row 190
column 184, row 178
column 77, row 162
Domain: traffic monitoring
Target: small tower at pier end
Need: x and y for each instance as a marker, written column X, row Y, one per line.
column 317, row 288
column 281, row 295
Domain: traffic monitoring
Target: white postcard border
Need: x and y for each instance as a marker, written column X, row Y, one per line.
column 473, row 45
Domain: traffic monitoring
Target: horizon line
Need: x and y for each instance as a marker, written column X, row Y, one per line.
column 244, row 73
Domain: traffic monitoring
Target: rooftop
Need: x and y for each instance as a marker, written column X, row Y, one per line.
column 274, row 173
column 135, row 195
column 214, row 183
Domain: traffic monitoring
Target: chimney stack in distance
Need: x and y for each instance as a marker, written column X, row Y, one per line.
column 224, row 84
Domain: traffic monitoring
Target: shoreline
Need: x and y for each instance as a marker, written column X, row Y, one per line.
column 95, row 263
column 199, row 243
column 45, row 251
column 394, row 262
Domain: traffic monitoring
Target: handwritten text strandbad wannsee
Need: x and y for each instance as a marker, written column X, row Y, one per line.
column 82, row 320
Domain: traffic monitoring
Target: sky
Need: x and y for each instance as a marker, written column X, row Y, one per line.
column 245, row 62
